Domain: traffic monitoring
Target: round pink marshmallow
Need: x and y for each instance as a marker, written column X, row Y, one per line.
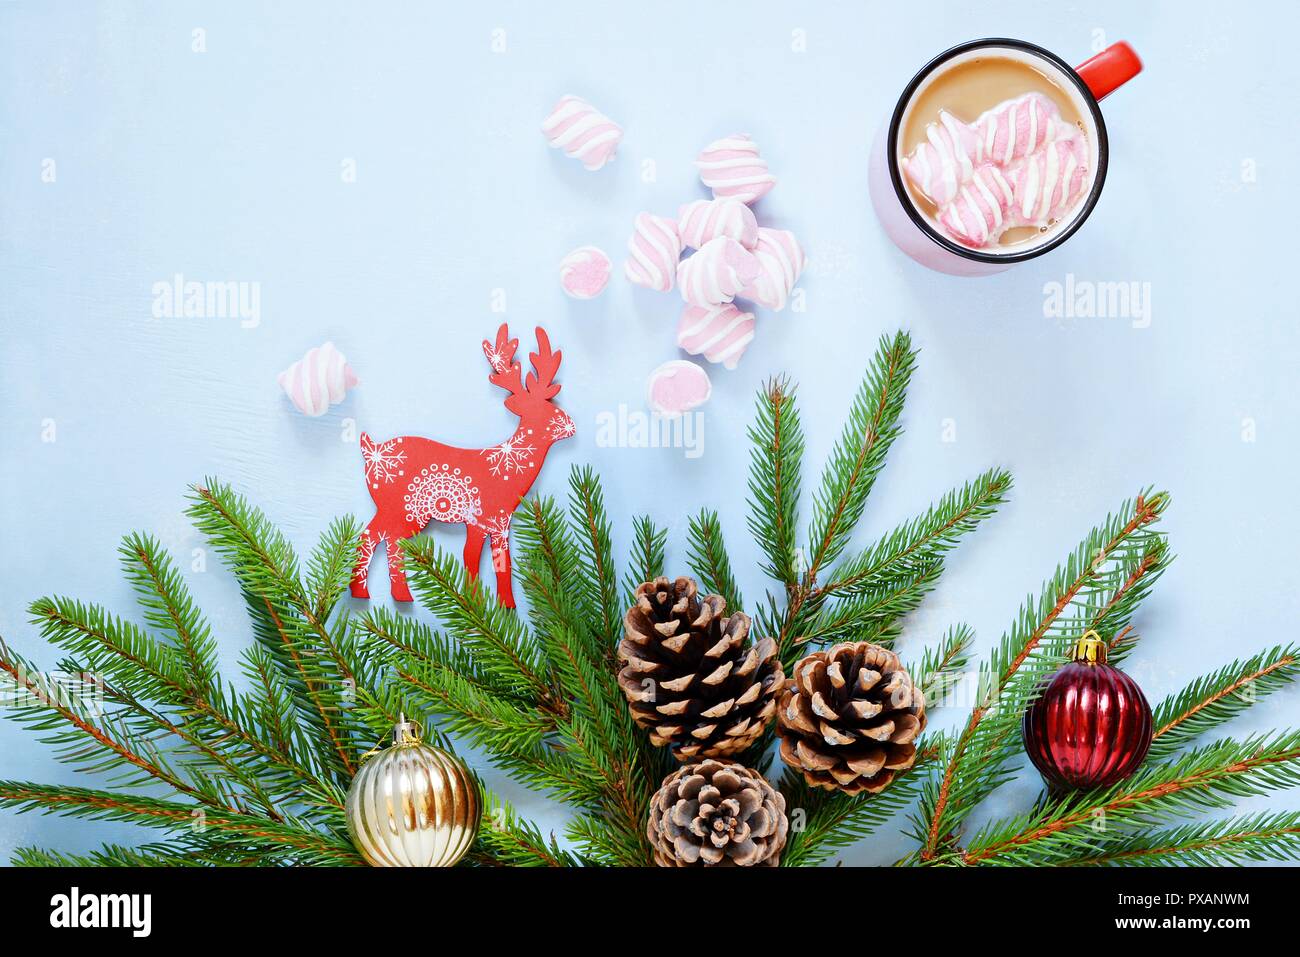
column 678, row 386
column 584, row 272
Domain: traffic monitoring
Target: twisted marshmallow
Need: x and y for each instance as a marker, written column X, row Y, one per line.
column 732, row 168
column 706, row 219
column 318, row 380
column 1014, row 129
column 953, row 150
column 720, row 269
column 782, row 261
column 1049, row 181
column 719, row 333
column 582, row 132
column 981, row 213
column 655, row 248
column 1034, row 192
column 947, row 158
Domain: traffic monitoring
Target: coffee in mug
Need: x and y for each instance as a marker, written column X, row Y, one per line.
column 995, row 153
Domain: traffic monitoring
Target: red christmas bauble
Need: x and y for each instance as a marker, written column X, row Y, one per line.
column 1091, row 727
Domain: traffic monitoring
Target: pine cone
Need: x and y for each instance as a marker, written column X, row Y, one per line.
column 689, row 677
column 849, row 717
column 717, row 813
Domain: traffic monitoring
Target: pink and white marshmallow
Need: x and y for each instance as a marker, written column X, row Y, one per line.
column 707, row 219
column 719, row 333
column 782, row 261
column 940, row 165
column 733, row 169
column 1036, row 191
column 582, row 132
column 717, row 272
column 981, row 213
column 654, row 249
column 1050, row 181
column 318, row 380
column 1014, row 129
column 584, row 272
column 677, row 387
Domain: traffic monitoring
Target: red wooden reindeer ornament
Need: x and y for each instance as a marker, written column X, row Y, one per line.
column 415, row 480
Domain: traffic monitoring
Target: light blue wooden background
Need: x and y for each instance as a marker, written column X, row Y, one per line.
column 226, row 165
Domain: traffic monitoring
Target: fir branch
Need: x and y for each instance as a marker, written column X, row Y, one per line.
column 95, row 745
column 646, row 563
column 1099, row 578
column 776, row 464
column 709, row 561
column 1229, row 841
column 923, row 540
column 855, row 462
column 868, row 614
column 169, row 607
column 310, row 845
column 266, row 723
column 114, row 647
column 1207, row 778
column 859, row 455
column 1140, row 570
column 266, row 566
column 599, row 580
column 577, row 627
column 392, row 637
column 110, row 855
column 550, row 563
column 507, row 839
column 606, row 846
column 1215, row 698
column 830, row 821
column 329, row 570
column 493, row 634
column 941, row 668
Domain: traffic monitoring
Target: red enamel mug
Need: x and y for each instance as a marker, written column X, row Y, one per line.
column 917, row 232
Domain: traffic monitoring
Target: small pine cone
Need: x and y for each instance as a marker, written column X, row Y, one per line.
column 717, row 814
column 849, row 718
column 688, row 676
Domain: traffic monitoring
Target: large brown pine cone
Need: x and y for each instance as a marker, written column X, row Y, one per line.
column 849, row 718
column 717, row 814
column 689, row 677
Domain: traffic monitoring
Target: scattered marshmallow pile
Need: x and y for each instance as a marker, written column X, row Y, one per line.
column 729, row 255
column 318, row 380
column 1018, row 164
column 734, row 257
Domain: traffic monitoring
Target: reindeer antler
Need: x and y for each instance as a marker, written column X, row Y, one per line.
column 542, row 383
column 501, row 357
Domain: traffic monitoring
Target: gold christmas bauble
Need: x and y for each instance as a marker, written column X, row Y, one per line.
column 413, row 805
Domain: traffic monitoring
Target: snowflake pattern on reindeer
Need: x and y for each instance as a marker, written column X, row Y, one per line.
column 442, row 487
column 512, row 455
column 383, row 462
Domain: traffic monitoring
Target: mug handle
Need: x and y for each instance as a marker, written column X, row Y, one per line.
column 1110, row 69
